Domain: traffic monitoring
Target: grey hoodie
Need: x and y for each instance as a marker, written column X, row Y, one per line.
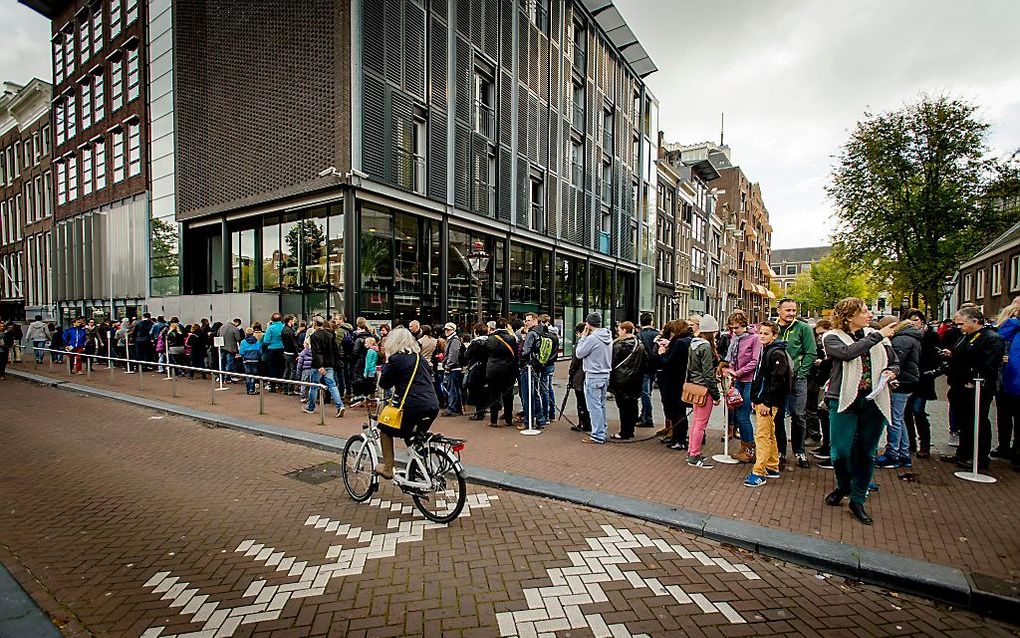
column 596, row 353
column 37, row 332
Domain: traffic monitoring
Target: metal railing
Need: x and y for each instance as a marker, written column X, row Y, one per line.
column 485, row 120
column 171, row 369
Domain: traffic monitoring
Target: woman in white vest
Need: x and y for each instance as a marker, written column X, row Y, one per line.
column 857, row 413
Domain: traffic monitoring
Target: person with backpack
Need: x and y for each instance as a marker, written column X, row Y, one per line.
column 74, row 342
column 575, row 382
column 539, row 352
column 195, row 349
column 157, row 334
column 770, row 386
column 303, row 368
column 742, row 354
column 626, row 378
column 250, row 350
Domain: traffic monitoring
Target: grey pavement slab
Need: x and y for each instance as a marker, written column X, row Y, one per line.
column 19, row 615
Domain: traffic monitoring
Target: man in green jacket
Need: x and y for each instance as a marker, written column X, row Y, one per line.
column 800, row 345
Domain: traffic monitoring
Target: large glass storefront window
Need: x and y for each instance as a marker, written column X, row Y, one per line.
column 271, row 262
column 462, row 284
column 529, row 280
column 600, row 292
column 242, row 260
column 570, row 307
column 375, row 258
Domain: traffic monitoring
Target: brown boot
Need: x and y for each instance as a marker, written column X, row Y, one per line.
column 745, row 454
column 385, row 469
column 666, row 430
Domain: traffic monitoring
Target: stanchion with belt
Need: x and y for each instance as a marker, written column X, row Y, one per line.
column 531, row 431
column 974, row 476
column 725, row 457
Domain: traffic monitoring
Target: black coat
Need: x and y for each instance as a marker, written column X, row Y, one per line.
column 773, row 377
column 476, row 355
column 930, row 364
column 672, row 373
column 977, row 355
column 907, row 345
column 627, row 376
column 289, row 339
column 501, row 367
column 648, row 335
column 324, row 350
column 396, row 374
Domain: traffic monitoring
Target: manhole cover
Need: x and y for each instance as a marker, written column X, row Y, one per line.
column 317, row 474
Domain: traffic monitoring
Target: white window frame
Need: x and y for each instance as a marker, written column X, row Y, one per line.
column 130, row 12
column 968, row 288
column 1014, row 273
column 87, row 170
column 115, row 18
column 995, row 278
column 134, row 148
column 133, row 70
column 72, row 177
column 47, row 193
column 979, row 279
column 61, row 182
column 99, row 148
column 86, row 103
column 97, row 28
column 98, row 94
column 119, row 155
column 116, row 81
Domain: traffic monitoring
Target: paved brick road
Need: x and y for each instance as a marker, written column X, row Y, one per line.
column 121, row 524
column 936, row 517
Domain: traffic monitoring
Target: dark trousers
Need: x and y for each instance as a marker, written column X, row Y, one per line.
column 583, row 417
column 628, row 406
column 277, row 363
column 197, row 361
column 961, row 403
column 812, row 418
column 143, row 351
column 289, row 371
column 502, row 397
column 918, row 425
column 794, row 408
column 1008, row 422
column 855, row 433
column 823, row 422
column 676, row 411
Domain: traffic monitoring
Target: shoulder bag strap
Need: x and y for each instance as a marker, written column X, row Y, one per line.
column 417, row 360
column 513, row 353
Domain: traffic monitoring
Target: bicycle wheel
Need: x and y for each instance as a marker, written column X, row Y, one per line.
column 358, row 469
column 446, row 501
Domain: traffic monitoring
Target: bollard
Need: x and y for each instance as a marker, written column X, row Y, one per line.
column 973, row 475
column 262, row 397
column 531, row 431
column 725, row 457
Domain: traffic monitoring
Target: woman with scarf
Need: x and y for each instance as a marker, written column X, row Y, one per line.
column 863, row 362
column 742, row 358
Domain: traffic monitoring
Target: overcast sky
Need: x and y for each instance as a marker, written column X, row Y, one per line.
column 792, row 76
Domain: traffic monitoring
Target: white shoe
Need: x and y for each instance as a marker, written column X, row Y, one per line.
column 954, row 440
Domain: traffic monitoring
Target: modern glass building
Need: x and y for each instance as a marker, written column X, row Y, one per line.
column 339, row 156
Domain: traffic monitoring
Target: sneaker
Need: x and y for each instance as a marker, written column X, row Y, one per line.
column 307, row 411
column 887, row 462
column 753, row 480
column 773, row 473
column 802, row 461
column 678, row 446
column 872, row 486
column 782, row 461
column 954, row 439
column 340, row 412
column 592, row 440
column 999, row 453
column 825, row 465
column 699, row 461
column 906, row 462
column 821, row 453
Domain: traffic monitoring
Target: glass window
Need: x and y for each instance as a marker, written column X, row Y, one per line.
column 116, row 83
column 58, row 60
column 132, row 72
column 335, row 254
column 100, row 152
column 134, row 155
column 69, row 60
column 97, row 29
column 72, row 178
column 118, row 155
column 271, row 262
column 130, row 12
column 242, row 260
column 290, row 253
column 376, row 260
column 313, row 256
column 86, row 104
column 462, row 283
column 71, row 115
column 86, row 170
column 115, row 18
column 98, row 95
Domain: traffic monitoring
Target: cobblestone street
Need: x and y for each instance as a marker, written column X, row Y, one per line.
column 124, row 522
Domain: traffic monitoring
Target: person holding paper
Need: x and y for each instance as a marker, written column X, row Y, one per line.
column 856, row 422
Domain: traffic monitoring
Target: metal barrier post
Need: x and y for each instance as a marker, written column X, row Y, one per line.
column 212, row 391
column 173, row 380
column 973, row 475
column 52, row 357
column 262, row 397
column 531, row 431
column 88, row 368
column 322, row 405
column 70, row 363
column 113, row 375
column 141, row 375
column 725, row 457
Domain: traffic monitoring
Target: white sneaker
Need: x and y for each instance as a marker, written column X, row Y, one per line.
column 954, row 439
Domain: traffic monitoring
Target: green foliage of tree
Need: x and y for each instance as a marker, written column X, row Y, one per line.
column 164, row 248
column 828, row 281
column 908, row 187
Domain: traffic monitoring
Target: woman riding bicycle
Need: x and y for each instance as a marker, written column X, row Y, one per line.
column 404, row 364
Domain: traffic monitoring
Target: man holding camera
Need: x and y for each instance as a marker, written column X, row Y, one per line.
column 595, row 350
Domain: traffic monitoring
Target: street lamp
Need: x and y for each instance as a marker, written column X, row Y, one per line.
column 478, row 260
column 948, row 286
column 904, row 306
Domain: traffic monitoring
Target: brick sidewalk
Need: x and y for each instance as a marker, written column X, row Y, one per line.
column 121, row 524
column 936, row 517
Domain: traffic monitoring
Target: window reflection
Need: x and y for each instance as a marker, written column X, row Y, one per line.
column 242, row 260
column 271, row 263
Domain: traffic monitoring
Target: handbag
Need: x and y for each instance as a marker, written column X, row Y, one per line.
column 733, row 398
column 694, row 394
column 391, row 416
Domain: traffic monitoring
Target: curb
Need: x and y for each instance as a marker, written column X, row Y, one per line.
column 980, row 593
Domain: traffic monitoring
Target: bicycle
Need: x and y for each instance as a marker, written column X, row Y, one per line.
column 433, row 475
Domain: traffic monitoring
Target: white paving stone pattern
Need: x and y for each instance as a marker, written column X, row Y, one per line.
column 558, row 607
column 268, row 600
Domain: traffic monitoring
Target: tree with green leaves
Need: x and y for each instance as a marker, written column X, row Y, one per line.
column 828, row 281
column 908, row 189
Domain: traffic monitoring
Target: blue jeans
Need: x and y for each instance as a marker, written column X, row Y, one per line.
column 595, row 396
column 646, row 397
column 250, row 367
column 531, row 383
column 330, row 382
column 898, row 445
column 796, row 403
column 545, row 390
column 227, row 363
column 453, row 380
column 743, row 413
column 37, row 346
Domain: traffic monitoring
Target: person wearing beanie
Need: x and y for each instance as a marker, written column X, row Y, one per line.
column 595, row 350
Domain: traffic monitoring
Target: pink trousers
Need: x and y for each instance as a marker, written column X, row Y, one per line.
column 697, row 433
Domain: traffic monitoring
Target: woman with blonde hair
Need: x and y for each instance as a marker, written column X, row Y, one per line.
column 1007, row 400
column 702, row 362
column 863, row 361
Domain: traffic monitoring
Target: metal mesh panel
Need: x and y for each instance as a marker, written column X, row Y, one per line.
column 462, row 166
column 438, row 63
column 230, row 103
column 414, row 50
column 506, row 185
column 462, row 83
column 437, row 154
